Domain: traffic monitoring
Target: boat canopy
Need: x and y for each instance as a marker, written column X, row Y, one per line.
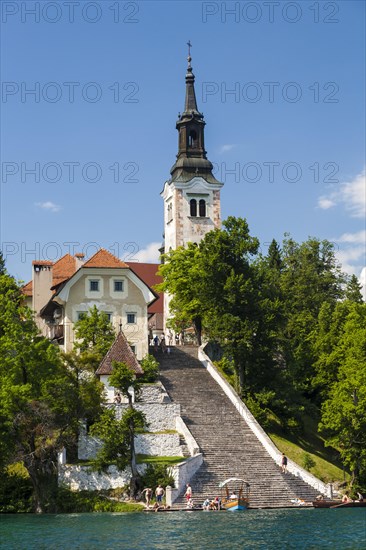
column 233, row 479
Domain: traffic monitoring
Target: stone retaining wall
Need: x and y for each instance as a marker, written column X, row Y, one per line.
column 159, row 416
column 182, row 474
column 82, row 478
column 158, row 444
column 153, row 393
column 145, row 444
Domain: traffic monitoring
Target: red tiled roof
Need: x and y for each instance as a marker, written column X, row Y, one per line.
column 65, row 267
column 103, row 258
column 148, row 273
column 28, row 289
column 62, row 270
column 119, row 351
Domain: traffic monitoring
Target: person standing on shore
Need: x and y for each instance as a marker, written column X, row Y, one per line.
column 159, row 493
column 188, row 493
column 148, row 495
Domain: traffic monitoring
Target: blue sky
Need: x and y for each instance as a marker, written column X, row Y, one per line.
column 282, row 88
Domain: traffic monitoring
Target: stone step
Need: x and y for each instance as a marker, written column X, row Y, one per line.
column 229, row 447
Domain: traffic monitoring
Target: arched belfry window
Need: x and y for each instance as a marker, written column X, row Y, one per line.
column 170, row 212
column 202, row 208
column 193, row 207
column 192, row 139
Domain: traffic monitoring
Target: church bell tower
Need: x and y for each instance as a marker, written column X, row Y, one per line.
column 192, row 194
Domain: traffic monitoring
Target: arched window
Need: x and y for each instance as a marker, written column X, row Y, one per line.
column 192, row 138
column 202, row 208
column 193, row 206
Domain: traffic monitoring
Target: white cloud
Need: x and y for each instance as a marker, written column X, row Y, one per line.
column 324, row 203
column 150, row 254
column 351, row 194
column 48, row 205
column 227, row 147
column 357, row 238
column 351, row 258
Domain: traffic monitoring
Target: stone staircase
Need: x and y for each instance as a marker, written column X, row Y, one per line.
column 229, row 447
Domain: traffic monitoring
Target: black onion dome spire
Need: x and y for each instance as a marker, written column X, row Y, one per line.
column 192, row 157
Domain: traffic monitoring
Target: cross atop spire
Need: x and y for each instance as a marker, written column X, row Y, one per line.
column 190, row 102
column 189, row 48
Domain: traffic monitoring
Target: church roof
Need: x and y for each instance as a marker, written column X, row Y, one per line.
column 103, row 258
column 192, row 158
column 119, row 351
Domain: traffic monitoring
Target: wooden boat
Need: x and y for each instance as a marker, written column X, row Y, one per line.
column 238, row 497
column 338, row 504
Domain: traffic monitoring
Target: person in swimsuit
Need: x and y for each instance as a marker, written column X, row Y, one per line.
column 159, row 493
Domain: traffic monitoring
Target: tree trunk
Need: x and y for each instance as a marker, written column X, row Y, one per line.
column 135, row 479
column 43, row 475
column 197, row 324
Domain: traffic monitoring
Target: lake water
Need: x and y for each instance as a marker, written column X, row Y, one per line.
column 267, row 529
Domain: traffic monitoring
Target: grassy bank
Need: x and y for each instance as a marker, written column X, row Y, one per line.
column 307, row 449
column 94, row 501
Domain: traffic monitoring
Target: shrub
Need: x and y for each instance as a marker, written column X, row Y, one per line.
column 226, row 367
column 150, row 366
column 308, row 462
column 157, row 474
column 259, row 413
column 15, row 490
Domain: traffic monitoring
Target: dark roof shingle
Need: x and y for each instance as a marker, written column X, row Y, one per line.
column 119, row 351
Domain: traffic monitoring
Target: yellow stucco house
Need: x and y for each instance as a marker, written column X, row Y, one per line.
column 61, row 292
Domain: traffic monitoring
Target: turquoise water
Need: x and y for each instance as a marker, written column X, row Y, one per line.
column 267, row 529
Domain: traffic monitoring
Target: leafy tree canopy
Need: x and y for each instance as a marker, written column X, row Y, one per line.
column 41, row 396
column 94, row 332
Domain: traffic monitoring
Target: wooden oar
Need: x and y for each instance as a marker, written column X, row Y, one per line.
column 342, row 504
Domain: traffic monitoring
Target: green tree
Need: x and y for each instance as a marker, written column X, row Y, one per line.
column 354, row 290
column 94, row 333
column 344, row 411
column 150, row 366
column 237, row 308
column 329, row 355
column 310, row 277
column 118, row 436
column 2, row 264
column 180, row 272
column 218, row 287
column 38, row 397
